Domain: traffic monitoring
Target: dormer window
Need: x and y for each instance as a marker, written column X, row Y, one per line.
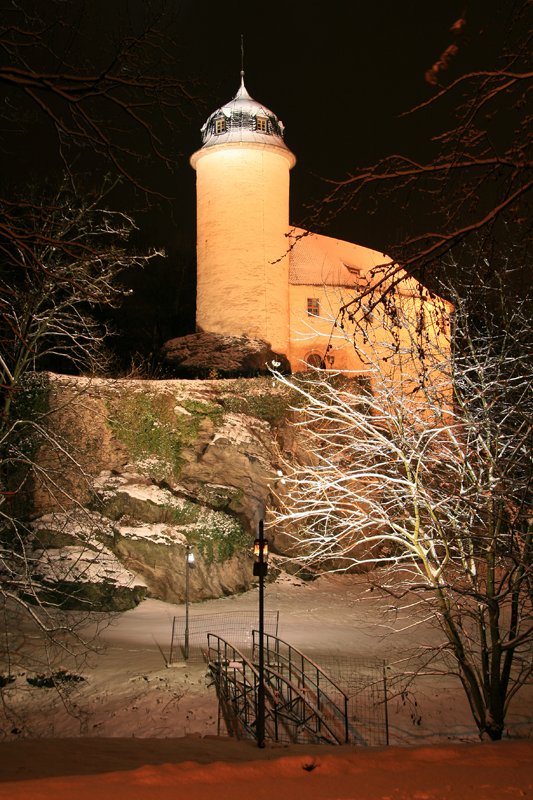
column 261, row 124
column 355, row 271
column 220, row 125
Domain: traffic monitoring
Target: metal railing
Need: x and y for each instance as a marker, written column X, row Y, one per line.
column 327, row 696
column 236, row 682
column 291, row 711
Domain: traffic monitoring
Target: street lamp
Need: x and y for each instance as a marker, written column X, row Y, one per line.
column 260, row 570
column 189, row 564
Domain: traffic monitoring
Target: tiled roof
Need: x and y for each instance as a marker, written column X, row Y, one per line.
column 317, row 260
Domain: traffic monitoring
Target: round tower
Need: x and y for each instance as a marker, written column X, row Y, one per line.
column 242, row 195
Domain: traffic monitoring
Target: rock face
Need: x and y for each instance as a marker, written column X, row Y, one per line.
column 149, row 468
column 204, row 354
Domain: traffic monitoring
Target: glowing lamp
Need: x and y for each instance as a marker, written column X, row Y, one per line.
column 261, row 559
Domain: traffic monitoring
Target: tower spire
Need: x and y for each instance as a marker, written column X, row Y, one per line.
column 242, row 59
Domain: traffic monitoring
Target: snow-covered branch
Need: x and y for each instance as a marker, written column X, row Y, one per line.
column 433, row 485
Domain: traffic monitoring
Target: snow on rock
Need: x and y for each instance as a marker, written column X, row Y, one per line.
column 107, row 485
column 153, row 526
column 78, row 563
column 238, row 429
column 72, row 561
column 83, row 524
column 157, row 532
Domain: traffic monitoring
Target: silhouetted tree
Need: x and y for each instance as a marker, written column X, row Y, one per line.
column 473, row 181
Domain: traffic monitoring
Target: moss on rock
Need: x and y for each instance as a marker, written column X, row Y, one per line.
column 155, row 429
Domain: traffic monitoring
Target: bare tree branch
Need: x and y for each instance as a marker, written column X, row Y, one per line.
column 433, row 487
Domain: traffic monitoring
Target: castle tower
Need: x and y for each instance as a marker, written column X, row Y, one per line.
column 242, row 195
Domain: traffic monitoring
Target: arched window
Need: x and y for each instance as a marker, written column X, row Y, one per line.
column 315, row 360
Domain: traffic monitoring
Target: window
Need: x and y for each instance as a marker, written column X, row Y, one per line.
column 261, row 124
column 355, row 271
column 315, row 361
column 313, row 307
column 220, row 125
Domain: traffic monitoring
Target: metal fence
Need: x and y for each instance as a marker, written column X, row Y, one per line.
column 365, row 682
column 287, row 665
column 235, row 627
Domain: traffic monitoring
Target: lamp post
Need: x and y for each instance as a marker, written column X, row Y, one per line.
column 189, row 564
column 260, row 570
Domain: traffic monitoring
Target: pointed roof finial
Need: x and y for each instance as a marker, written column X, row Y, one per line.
column 237, row 121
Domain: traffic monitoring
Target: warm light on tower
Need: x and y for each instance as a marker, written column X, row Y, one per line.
column 242, row 187
column 258, row 277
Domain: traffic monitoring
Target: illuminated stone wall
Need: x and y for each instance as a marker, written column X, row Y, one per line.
column 331, row 272
column 311, row 335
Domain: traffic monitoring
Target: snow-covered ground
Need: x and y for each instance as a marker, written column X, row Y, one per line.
column 144, row 729
column 172, row 769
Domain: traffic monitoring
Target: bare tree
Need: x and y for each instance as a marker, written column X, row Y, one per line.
column 432, row 485
column 471, row 175
column 427, row 474
column 85, row 84
column 90, row 90
column 62, row 257
column 86, row 93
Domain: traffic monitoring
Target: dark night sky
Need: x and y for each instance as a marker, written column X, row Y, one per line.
column 339, row 76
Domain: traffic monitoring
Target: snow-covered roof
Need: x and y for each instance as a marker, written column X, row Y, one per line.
column 243, row 119
column 317, row 260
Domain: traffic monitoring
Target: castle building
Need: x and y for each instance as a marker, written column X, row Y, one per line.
column 257, row 276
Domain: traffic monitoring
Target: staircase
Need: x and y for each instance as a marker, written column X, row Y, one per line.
column 302, row 704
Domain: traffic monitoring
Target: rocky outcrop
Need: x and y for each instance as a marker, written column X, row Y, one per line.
column 75, row 566
column 204, row 354
column 148, row 469
column 152, row 528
